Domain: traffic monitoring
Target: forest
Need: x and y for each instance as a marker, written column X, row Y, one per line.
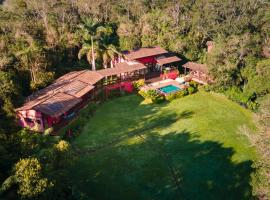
column 42, row 40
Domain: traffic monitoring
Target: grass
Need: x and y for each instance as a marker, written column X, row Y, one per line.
column 187, row 149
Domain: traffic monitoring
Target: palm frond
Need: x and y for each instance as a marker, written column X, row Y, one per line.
column 83, row 51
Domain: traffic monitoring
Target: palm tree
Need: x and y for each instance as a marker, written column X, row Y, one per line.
column 97, row 43
column 90, row 32
column 108, row 54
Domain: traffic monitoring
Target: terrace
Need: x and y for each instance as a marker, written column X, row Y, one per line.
column 166, row 86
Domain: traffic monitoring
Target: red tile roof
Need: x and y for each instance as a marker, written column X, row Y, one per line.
column 144, row 52
column 167, row 60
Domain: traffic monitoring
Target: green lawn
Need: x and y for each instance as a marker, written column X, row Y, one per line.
column 187, row 149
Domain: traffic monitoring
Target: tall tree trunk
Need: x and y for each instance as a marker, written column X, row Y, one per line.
column 111, row 62
column 93, row 56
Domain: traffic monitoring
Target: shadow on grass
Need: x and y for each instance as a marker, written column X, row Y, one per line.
column 131, row 159
column 143, row 164
column 204, row 168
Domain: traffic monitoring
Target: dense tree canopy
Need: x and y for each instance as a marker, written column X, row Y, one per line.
column 41, row 40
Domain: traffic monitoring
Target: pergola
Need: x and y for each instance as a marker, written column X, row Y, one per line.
column 198, row 72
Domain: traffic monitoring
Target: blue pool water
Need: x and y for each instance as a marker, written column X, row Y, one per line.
column 169, row 89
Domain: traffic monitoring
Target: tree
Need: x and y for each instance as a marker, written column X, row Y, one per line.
column 7, row 91
column 33, row 59
column 97, row 43
column 28, row 176
column 259, row 84
column 107, row 46
column 90, row 32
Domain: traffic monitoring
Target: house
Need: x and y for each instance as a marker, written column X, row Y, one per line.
column 155, row 58
column 56, row 104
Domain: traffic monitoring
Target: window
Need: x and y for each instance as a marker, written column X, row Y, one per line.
column 28, row 120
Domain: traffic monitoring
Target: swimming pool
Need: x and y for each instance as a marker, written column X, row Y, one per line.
column 169, row 89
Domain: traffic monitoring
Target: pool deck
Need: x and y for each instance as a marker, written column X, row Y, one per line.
column 164, row 83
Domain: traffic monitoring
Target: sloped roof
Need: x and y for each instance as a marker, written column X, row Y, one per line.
column 167, row 60
column 57, row 105
column 196, row 66
column 77, row 88
column 123, row 67
column 67, row 90
column 144, row 52
column 89, row 77
column 73, row 84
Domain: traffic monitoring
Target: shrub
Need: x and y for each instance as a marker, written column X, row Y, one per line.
column 138, row 84
column 236, row 94
column 143, row 93
column 157, row 99
column 180, row 93
column 176, row 95
column 170, row 97
column 193, row 84
column 206, row 88
column 62, row 146
column 191, row 90
column 253, row 105
column 154, row 95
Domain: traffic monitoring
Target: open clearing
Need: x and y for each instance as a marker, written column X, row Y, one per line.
column 187, row 149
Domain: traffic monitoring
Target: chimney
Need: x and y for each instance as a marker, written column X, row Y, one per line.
column 210, row 46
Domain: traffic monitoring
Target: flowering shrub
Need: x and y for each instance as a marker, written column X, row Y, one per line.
column 154, row 95
column 138, row 84
column 62, row 146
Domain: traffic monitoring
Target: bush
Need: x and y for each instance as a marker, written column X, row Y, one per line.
column 236, row 94
column 176, row 95
column 193, row 87
column 158, row 99
column 193, row 84
column 170, row 97
column 154, row 95
column 138, row 84
column 143, row 93
column 206, row 88
column 191, row 90
column 181, row 93
column 253, row 105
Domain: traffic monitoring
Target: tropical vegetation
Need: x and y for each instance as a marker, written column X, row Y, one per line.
column 42, row 40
